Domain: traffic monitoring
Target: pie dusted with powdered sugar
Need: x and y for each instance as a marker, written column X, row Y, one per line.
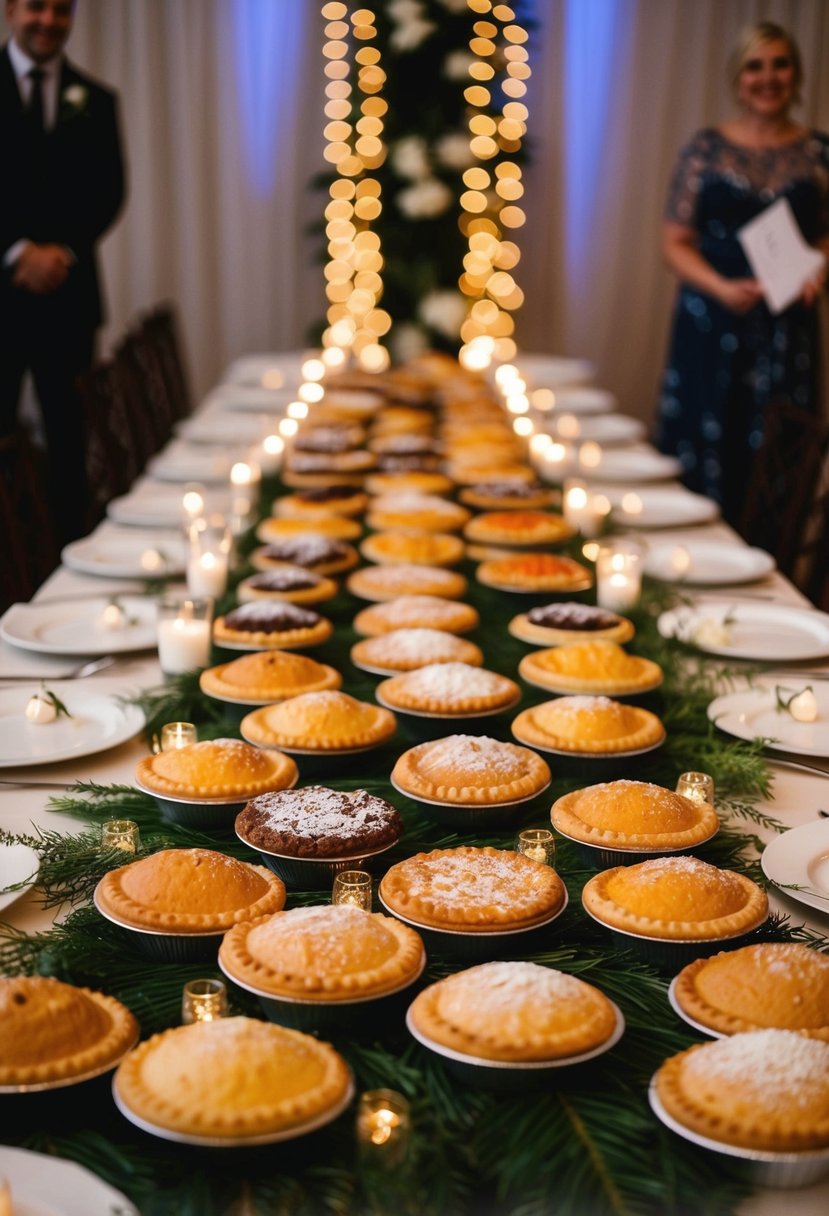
column 319, row 501
column 215, row 768
column 271, row 623
column 391, row 581
column 473, row 890
column 507, row 495
column 597, row 666
column 588, row 725
column 412, row 546
column 470, row 770
column 232, row 1079
column 406, row 649
column 449, row 688
column 269, row 675
column 326, row 721
column 426, row 511
column 311, row 550
column 517, row 1011
column 329, row 953
column 417, row 612
column 765, row 1089
column 287, row 582
column 319, row 822
column 782, row 985
column 558, row 624
column 633, row 815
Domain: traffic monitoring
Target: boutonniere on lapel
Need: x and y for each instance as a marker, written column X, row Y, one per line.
column 73, row 101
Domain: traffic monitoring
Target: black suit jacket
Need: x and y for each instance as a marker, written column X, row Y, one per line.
column 66, row 188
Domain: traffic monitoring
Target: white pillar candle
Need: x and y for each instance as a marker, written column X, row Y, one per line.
column 183, row 644
column 619, row 575
column 207, row 574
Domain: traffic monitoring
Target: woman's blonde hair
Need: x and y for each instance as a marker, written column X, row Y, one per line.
column 756, row 35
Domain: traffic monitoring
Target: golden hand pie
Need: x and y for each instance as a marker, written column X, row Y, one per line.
column 413, row 546
column 270, row 675
column 311, row 550
column 390, row 582
column 588, row 725
column 328, row 953
column 188, row 891
column 319, row 722
column 534, row 572
column 514, row 1011
column 319, row 822
column 406, row 649
column 473, row 890
column 54, row 1033
column 470, row 769
column 215, row 768
column 765, row 1089
column 781, row 985
column 518, row 527
column 448, row 688
column 274, row 529
column 557, row 624
column 271, row 623
column 676, row 899
column 231, row 1079
column 597, row 666
column 287, row 582
column 416, row 612
column 633, row 815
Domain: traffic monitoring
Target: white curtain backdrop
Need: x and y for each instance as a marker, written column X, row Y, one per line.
column 222, row 114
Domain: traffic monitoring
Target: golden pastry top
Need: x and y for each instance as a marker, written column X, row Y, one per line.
column 598, row 666
column 410, row 545
column 319, row 721
column 406, row 578
column 471, row 769
column 534, row 571
column 630, row 814
column 590, row 724
column 416, row 612
column 406, row 649
column 518, row 527
column 451, row 688
column 216, row 768
column 268, row 676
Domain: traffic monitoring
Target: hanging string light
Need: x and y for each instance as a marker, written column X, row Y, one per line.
column 355, row 148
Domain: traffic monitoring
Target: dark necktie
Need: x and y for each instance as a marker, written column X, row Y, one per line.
column 34, row 110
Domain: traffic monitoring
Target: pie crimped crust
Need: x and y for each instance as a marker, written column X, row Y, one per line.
column 318, row 822
column 53, row 1032
column 188, row 891
column 319, row 722
column 470, row 769
column 287, row 582
column 676, row 899
column 270, row 675
column 326, row 953
column 507, row 495
column 336, row 527
column 449, row 688
column 323, row 501
column 232, row 1078
column 534, row 572
column 518, row 527
column 768, row 985
column 406, row 649
column 557, row 624
column 390, row 582
column 634, row 815
column 514, row 1011
column 311, row 550
column 598, row 666
column 765, row 1089
column 272, row 623
column 413, row 546
column 416, row 481
column 427, row 511
column 215, row 768
column 588, row 726
column 472, row 890
column 416, row 612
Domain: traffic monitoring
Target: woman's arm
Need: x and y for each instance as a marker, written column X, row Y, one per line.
column 681, row 254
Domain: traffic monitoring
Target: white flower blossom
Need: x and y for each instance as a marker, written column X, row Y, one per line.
column 408, row 37
column 75, row 96
column 407, row 342
column 409, row 158
column 456, row 65
column 425, row 199
column 444, row 311
column 453, row 151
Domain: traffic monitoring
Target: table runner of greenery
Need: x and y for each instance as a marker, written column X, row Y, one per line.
column 588, row 1145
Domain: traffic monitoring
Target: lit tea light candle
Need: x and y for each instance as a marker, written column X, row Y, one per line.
column 288, row 427
column 184, row 631
column 517, row 403
column 506, row 373
column 207, row 574
column 619, row 576
column 113, row 616
column 120, row 834
column 313, row 369
column 297, row 409
column 697, row 786
column 523, row 427
column 177, row 734
column 192, row 503
column 556, row 460
column 310, row 391
column 590, row 455
column 584, row 510
column 334, row 357
column 352, row 887
column 203, row 1001
column 383, row 1126
column 538, row 844
column 270, row 459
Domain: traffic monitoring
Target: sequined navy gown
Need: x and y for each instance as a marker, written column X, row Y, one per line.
column 724, row 369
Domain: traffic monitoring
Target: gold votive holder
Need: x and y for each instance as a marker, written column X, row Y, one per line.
column 177, row 734
column 203, row 1001
column 120, row 834
column 352, row 887
column 538, row 844
column 697, row 786
column 383, row 1127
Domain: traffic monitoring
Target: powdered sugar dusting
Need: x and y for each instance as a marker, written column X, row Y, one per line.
column 471, row 755
column 453, row 681
column 787, row 1068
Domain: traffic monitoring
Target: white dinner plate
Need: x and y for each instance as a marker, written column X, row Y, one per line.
column 799, row 859
column 584, row 400
column 774, row 632
column 707, row 564
column 157, row 504
column 99, row 721
column 42, row 1185
column 267, row 369
column 549, row 370
column 76, row 627
column 183, row 461
column 634, row 464
column 658, row 506
column 127, row 553
column 224, row 428
column 18, row 872
column 241, row 398
column 606, row 429
column 753, row 714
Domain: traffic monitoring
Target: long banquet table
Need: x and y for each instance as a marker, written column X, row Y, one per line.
column 797, row 794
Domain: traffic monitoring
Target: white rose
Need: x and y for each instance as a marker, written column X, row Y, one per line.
column 444, row 311
column 75, row 96
column 456, row 65
column 425, row 199
column 708, row 631
column 453, row 151
column 409, row 37
column 409, row 158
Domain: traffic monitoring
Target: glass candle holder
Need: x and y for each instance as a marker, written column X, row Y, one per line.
column 120, row 834
column 698, row 786
column 184, row 631
column 177, row 734
column 619, row 575
column 209, row 559
column 203, row 1001
column 193, row 504
column 584, row 509
column 352, row 887
column 538, row 844
column 383, row 1127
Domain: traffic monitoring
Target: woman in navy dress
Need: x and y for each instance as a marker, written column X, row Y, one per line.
column 729, row 355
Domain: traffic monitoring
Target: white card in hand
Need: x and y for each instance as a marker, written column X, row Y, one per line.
column 777, row 253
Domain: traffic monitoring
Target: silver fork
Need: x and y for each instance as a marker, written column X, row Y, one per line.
column 87, row 668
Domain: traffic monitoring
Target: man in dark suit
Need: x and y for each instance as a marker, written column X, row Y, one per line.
column 63, row 188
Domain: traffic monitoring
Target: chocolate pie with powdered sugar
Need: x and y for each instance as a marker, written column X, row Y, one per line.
column 265, row 623
column 557, row 624
column 319, row 822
